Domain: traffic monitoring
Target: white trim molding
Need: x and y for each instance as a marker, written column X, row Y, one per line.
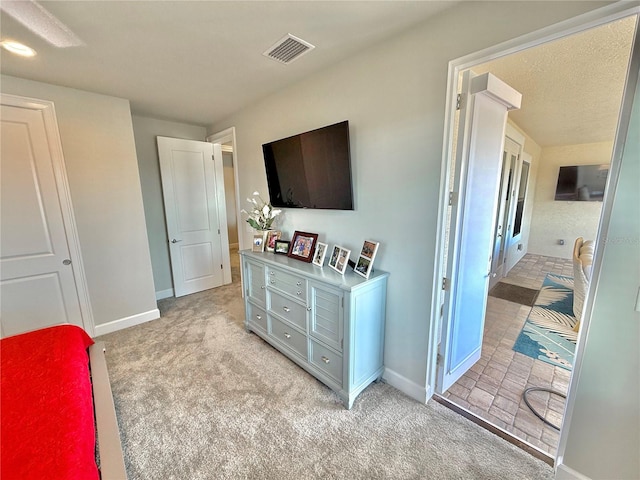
column 409, row 387
column 127, row 322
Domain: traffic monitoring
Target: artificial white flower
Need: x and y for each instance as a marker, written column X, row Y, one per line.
column 262, row 215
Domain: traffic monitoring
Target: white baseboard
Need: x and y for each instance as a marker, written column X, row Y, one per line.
column 164, row 294
column 126, row 322
column 415, row 391
column 565, row 473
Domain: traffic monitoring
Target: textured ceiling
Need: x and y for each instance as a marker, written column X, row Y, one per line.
column 571, row 88
column 201, row 61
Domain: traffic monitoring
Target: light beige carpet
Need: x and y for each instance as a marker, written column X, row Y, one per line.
column 199, row 398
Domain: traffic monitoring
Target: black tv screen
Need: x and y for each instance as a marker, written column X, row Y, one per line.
column 583, row 183
column 311, row 170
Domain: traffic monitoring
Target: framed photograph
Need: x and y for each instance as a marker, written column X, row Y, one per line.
column 302, row 246
column 339, row 259
column 321, row 251
column 258, row 243
column 272, row 236
column 365, row 260
column 281, row 246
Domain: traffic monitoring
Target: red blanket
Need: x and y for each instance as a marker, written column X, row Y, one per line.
column 46, row 409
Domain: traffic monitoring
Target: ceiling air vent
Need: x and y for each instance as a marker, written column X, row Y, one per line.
column 288, row 49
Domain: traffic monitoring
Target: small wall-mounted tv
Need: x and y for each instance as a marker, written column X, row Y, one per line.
column 582, row 183
column 311, row 169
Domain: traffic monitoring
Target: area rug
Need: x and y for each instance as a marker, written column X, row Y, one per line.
column 514, row 293
column 547, row 333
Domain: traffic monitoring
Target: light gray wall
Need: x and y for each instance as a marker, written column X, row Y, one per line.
column 603, row 434
column 100, row 156
column 394, row 98
column 554, row 220
column 230, row 197
column 145, row 131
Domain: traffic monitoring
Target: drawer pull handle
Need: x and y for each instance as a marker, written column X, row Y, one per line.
column 286, row 309
column 272, row 282
column 262, row 287
column 325, row 359
column 287, row 335
column 308, row 309
column 298, row 283
column 298, row 292
column 259, row 317
column 272, row 273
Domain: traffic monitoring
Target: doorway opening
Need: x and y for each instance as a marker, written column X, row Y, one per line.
column 535, row 233
column 227, row 139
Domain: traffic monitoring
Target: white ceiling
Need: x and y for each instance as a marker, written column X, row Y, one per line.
column 198, row 62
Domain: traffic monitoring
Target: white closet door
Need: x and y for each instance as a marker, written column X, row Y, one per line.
column 37, row 284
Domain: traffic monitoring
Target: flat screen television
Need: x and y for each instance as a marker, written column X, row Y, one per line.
column 311, row 169
column 582, row 183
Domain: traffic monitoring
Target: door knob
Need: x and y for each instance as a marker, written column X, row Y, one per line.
column 66, row 262
column 175, row 241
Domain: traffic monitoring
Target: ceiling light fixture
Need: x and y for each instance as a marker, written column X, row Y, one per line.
column 18, row 48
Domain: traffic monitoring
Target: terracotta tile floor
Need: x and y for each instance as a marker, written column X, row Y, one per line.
column 493, row 387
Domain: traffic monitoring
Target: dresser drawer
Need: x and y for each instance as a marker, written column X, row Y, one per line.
column 326, row 360
column 288, row 283
column 257, row 317
column 288, row 309
column 290, row 337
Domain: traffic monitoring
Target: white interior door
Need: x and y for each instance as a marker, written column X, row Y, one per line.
column 483, row 116
column 193, row 190
column 37, row 283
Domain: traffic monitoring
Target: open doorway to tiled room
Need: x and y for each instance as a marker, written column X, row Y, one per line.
column 493, row 388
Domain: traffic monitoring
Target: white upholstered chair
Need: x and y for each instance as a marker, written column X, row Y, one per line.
column 582, row 263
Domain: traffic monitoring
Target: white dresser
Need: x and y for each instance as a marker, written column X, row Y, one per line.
column 331, row 325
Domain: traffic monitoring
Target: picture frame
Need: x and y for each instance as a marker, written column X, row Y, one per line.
column 339, row 259
column 364, row 265
column 302, row 246
column 258, row 242
column 318, row 256
column 272, row 236
column 281, row 247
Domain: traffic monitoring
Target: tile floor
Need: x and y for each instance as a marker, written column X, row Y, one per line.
column 493, row 387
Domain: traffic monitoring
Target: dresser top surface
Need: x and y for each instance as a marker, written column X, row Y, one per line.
column 326, row 274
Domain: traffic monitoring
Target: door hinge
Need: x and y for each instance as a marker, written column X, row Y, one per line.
column 438, row 359
column 218, row 231
column 213, row 158
column 445, row 283
column 342, row 343
column 459, row 99
column 453, row 198
column 220, row 266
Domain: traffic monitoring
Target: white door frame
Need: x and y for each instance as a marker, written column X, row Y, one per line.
column 226, row 136
column 568, row 27
column 48, row 112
